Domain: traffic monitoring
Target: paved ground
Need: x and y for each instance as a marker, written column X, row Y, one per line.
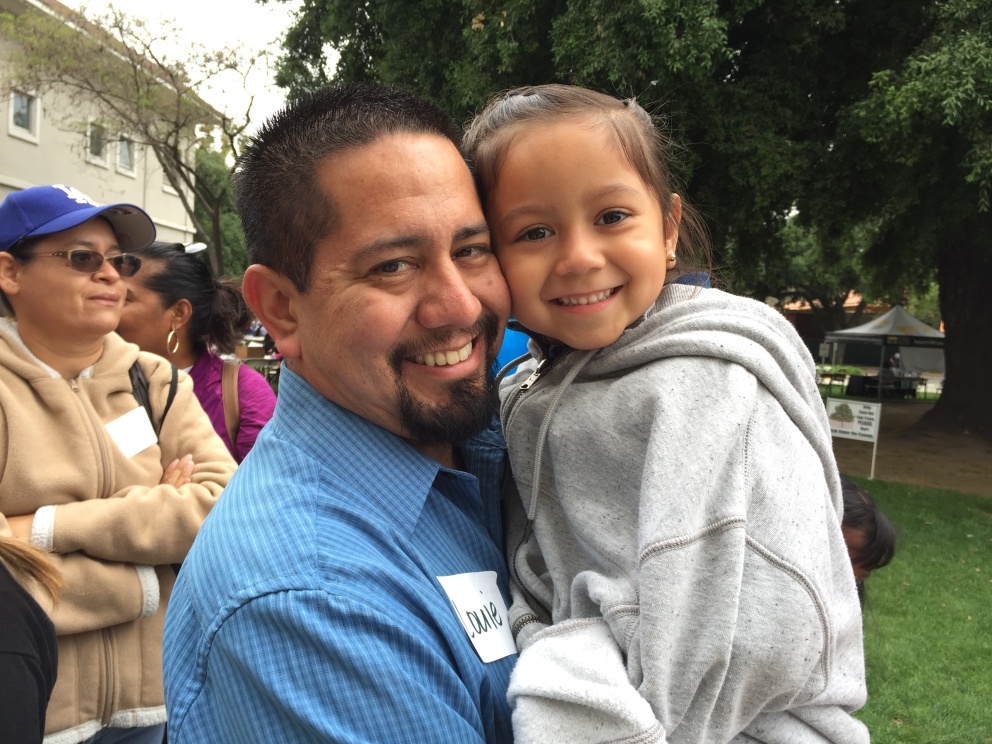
column 958, row 463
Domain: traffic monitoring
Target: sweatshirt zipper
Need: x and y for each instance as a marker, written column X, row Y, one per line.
column 103, row 487
column 108, row 664
column 542, row 366
column 103, row 491
column 532, row 601
column 545, row 365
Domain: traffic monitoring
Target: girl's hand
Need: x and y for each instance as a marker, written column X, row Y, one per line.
column 178, row 473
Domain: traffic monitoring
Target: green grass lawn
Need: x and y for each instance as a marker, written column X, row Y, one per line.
column 928, row 621
column 837, row 391
column 839, row 369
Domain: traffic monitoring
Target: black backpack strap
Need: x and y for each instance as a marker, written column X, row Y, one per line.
column 173, row 385
column 139, row 386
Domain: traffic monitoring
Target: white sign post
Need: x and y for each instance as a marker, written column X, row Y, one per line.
column 855, row 420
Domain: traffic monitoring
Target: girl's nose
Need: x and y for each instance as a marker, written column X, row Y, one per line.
column 579, row 253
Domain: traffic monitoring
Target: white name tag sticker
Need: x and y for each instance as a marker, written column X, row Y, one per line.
column 132, row 432
column 482, row 612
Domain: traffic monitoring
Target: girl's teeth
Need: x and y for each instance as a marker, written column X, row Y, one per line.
column 443, row 358
column 587, row 300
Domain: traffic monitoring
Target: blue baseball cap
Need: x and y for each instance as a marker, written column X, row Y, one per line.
column 43, row 210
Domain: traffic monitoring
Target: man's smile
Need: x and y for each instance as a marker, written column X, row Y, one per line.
column 444, row 357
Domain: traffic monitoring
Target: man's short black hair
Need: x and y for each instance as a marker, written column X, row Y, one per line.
column 282, row 209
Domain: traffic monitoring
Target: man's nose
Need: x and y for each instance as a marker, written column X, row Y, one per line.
column 579, row 252
column 448, row 300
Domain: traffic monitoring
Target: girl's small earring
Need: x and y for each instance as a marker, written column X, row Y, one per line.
column 172, row 342
column 672, row 259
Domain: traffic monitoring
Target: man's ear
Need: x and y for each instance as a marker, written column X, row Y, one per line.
column 274, row 300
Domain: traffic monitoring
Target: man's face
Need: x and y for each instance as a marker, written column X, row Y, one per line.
column 406, row 306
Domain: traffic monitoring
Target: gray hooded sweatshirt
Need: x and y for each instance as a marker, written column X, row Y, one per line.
column 684, row 538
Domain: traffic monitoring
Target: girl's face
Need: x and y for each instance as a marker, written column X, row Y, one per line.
column 145, row 321
column 580, row 238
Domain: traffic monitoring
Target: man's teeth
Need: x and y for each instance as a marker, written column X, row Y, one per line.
column 441, row 358
column 586, row 299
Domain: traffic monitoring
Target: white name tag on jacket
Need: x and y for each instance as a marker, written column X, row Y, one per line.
column 132, row 432
column 482, row 612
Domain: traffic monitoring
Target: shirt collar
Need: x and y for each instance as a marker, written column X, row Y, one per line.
column 389, row 471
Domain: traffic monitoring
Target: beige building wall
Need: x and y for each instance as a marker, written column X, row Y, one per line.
column 54, row 147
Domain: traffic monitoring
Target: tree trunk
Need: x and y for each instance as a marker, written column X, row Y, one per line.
column 964, row 270
column 216, row 250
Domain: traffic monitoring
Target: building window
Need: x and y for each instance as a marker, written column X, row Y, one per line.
column 25, row 116
column 24, row 111
column 96, row 143
column 125, row 154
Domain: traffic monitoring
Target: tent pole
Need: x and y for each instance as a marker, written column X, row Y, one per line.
column 881, row 364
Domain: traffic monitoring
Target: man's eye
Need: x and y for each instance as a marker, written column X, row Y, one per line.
column 391, row 267
column 613, row 216
column 470, row 251
column 536, row 233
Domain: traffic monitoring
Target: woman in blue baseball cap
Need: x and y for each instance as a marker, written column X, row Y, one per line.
column 107, row 460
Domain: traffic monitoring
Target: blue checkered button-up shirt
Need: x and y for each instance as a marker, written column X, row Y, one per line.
column 309, row 610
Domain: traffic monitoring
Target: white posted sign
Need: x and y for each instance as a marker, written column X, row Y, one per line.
column 854, row 420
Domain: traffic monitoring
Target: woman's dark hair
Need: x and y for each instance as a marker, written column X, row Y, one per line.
column 220, row 315
column 862, row 514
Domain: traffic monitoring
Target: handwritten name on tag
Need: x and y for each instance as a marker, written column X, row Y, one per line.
column 132, row 432
column 482, row 612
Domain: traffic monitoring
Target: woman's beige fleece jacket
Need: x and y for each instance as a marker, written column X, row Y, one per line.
column 115, row 532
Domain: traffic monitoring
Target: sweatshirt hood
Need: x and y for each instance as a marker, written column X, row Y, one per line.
column 689, row 321
column 16, row 357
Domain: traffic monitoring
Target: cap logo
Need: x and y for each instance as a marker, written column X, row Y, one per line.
column 75, row 194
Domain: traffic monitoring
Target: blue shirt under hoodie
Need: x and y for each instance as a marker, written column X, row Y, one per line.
column 309, row 609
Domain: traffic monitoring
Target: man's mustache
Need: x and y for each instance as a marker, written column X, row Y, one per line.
column 485, row 329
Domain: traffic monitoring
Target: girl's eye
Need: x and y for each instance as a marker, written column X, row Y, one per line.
column 612, row 217
column 536, row 233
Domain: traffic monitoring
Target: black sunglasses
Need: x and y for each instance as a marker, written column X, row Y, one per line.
column 89, row 262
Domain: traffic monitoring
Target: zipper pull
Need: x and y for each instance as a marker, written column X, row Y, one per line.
column 74, row 385
column 537, row 373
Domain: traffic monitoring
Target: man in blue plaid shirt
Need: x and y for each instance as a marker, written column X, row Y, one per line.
column 349, row 585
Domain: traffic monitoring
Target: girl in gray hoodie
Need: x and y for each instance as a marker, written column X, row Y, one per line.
column 679, row 569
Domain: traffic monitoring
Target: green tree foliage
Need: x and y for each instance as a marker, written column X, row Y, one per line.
column 802, row 268
column 869, row 117
column 912, row 161
column 213, row 174
column 925, row 305
column 114, row 67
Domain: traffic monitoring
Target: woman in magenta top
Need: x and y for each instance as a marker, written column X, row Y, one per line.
column 176, row 309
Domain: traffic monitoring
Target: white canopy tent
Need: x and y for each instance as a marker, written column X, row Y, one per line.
column 921, row 348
